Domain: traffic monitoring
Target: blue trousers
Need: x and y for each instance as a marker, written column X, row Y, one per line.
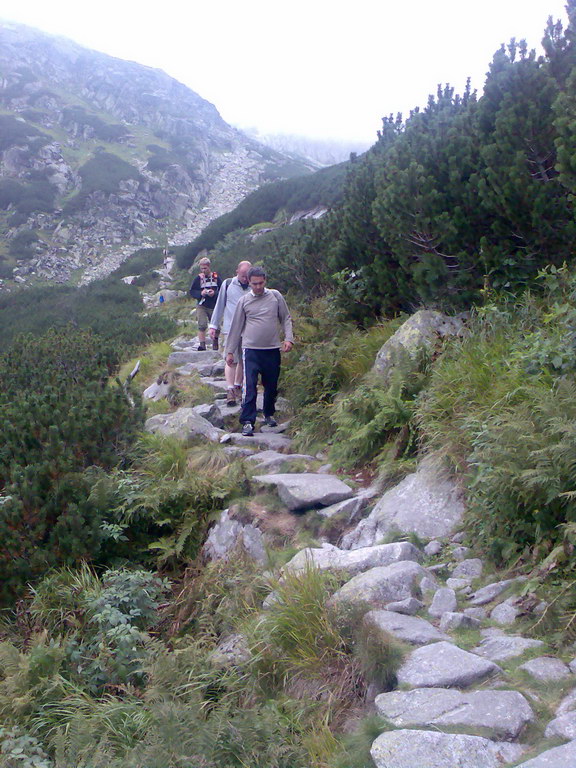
column 266, row 363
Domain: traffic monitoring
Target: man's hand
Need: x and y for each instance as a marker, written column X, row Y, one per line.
column 230, row 359
column 287, row 346
column 212, row 333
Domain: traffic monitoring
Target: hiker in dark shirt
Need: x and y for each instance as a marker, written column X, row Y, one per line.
column 205, row 288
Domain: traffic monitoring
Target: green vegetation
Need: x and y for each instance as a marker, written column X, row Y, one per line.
column 280, row 198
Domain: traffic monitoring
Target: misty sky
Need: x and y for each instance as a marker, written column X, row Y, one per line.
column 306, row 67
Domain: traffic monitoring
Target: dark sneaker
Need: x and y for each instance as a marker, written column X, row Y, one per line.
column 202, row 347
column 269, row 421
column 247, row 429
column 231, row 397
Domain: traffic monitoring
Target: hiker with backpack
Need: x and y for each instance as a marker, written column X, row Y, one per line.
column 205, row 287
column 231, row 291
column 259, row 317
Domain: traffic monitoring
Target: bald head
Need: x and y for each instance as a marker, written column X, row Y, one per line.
column 242, row 271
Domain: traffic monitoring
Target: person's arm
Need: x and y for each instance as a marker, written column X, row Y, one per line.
column 285, row 322
column 236, row 329
column 195, row 289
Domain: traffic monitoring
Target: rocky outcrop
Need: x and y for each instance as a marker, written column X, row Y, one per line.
column 122, row 156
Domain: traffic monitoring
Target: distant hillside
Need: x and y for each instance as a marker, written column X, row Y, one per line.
column 99, row 156
column 280, row 203
column 321, row 151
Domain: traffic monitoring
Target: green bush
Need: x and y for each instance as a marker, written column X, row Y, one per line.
column 60, row 418
column 22, row 246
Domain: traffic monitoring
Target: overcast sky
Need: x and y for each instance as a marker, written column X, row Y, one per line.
column 307, row 67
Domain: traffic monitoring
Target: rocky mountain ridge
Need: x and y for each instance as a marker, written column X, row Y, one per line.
column 99, row 156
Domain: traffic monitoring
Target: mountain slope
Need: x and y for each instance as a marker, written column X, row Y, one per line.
column 98, row 155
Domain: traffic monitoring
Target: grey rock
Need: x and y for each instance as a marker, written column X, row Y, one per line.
column 262, row 440
column 568, row 703
column 349, row 508
column 410, row 629
column 475, row 613
column 211, row 413
column 500, row 714
column 458, row 584
column 546, row 669
column 352, row 561
column 437, row 567
column 444, row 665
column 217, row 384
column 453, row 620
column 491, row 591
column 460, row 553
column 233, row 651
column 408, row 607
column 381, row 585
column 444, row 600
column 307, row 490
column 182, row 357
column 433, row 548
column 572, row 666
column 183, row 424
column 558, row 757
column 272, row 461
column 562, row 727
column 426, row 503
column 459, row 537
column 431, row 749
column 428, row 585
column 505, row 647
column 471, row 568
column 228, row 535
column 423, row 329
column 505, row 613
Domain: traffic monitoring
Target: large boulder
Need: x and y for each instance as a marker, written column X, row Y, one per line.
column 426, row 503
column 430, row 749
column 184, row 356
column 424, row 329
column 183, row 424
column 444, row 665
column 381, row 585
column 355, row 561
column 306, row 490
column 498, row 714
column 229, row 536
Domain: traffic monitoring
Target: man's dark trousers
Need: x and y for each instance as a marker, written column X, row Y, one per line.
column 265, row 362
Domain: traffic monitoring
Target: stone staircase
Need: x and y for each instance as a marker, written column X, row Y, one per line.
column 472, row 691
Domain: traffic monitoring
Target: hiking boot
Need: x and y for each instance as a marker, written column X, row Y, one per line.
column 270, row 421
column 238, row 391
column 247, row 429
column 215, row 344
column 202, row 347
column 231, row 397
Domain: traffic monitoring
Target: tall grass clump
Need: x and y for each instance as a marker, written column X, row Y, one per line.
column 500, row 406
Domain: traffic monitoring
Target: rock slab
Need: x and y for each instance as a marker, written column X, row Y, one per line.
column 430, row 749
column 307, row 490
column 425, row 503
column 444, row 665
column 500, row 714
column 410, row 629
column 354, row 561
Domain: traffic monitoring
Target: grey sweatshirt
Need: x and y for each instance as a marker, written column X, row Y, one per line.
column 257, row 322
column 228, row 296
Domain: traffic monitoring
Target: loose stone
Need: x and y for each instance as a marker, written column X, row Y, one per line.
column 411, row 629
column 444, row 600
column 546, row 668
column 505, row 647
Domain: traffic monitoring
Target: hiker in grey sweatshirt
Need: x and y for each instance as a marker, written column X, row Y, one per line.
column 259, row 317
